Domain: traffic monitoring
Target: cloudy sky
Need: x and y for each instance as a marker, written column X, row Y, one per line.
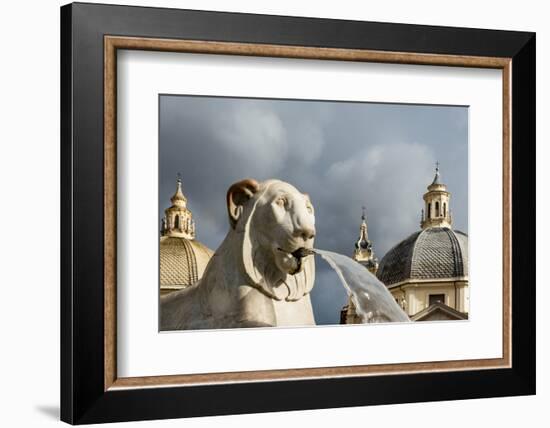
column 344, row 155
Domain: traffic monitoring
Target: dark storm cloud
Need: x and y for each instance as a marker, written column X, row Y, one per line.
column 344, row 155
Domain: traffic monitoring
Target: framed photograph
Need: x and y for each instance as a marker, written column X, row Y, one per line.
column 274, row 213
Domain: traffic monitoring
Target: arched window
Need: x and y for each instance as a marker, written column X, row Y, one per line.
column 444, row 209
column 177, row 222
column 437, row 209
column 429, row 210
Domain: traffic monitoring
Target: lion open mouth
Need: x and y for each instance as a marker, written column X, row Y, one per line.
column 298, row 255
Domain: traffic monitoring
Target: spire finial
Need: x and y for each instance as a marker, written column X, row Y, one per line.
column 179, row 183
column 178, row 199
column 436, row 177
column 363, row 229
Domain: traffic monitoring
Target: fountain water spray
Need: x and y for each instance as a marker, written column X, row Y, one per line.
column 373, row 302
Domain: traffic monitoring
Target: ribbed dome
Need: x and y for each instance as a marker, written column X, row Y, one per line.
column 182, row 261
column 432, row 253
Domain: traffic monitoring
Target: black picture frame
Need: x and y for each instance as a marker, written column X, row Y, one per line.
column 83, row 396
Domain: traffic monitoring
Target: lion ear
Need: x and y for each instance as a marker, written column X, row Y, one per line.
column 237, row 195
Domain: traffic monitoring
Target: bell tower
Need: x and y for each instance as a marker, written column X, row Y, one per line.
column 364, row 252
column 364, row 255
column 178, row 220
column 436, row 212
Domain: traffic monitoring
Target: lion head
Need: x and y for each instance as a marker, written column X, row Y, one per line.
column 277, row 225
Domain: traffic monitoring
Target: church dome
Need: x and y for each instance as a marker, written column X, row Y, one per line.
column 182, row 262
column 432, row 253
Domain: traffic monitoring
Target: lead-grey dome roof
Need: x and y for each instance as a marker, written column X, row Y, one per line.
column 436, row 252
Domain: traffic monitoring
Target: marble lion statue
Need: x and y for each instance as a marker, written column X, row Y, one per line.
column 262, row 273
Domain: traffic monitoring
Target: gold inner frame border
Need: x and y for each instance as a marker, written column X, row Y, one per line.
column 113, row 43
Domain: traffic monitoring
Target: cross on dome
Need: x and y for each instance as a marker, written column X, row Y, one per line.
column 436, row 178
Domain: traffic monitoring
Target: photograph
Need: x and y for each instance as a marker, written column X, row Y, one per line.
column 295, row 213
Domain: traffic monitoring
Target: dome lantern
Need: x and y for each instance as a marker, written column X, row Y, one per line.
column 437, row 212
column 178, row 219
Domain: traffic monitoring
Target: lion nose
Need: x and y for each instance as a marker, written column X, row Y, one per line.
column 305, row 232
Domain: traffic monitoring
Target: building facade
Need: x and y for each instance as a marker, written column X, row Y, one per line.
column 183, row 259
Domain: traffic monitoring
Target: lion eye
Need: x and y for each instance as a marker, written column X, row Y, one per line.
column 309, row 209
column 282, row 201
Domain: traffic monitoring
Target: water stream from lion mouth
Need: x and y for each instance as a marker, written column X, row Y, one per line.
column 373, row 302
